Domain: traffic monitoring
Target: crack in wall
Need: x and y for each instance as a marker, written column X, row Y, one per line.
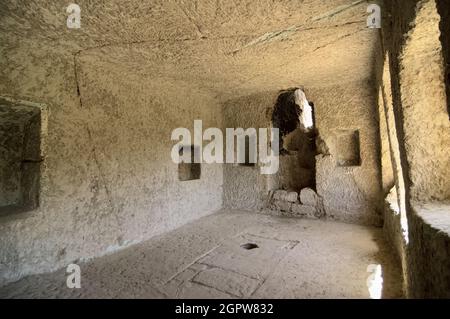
column 131, row 43
column 102, row 175
column 192, row 21
column 322, row 46
column 284, row 33
column 77, row 83
column 338, row 10
column 337, row 40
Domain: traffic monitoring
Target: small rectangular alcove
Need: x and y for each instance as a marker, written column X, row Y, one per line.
column 20, row 156
column 348, row 148
column 188, row 171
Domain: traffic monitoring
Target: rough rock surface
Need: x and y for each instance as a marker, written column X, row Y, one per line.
column 292, row 197
column 296, row 258
column 307, row 211
column 117, row 87
column 308, row 197
column 350, row 193
column 417, row 46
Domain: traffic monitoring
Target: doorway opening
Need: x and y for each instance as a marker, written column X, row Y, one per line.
column 294, row 116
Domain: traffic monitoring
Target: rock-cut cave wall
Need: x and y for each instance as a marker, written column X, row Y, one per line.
column 107, row 178
column 347, row 176
column 418, row 55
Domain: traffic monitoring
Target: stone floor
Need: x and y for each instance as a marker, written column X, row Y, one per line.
column 295, row 258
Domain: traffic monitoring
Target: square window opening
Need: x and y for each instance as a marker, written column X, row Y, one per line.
column 348, row 148
column 188, row 170
column 20, row 156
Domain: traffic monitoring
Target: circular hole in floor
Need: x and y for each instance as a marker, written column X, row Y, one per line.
column 249, row 246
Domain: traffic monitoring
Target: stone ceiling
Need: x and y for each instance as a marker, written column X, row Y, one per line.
column 230, row 48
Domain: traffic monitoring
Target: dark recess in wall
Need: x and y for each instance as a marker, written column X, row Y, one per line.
column 286, row 114
column 348, row 148
column 297, row 143
column 20, row 157
column 189, row 171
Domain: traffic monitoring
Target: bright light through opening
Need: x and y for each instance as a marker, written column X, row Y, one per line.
column 306, row 118
column 397, row 205
column 375, row 281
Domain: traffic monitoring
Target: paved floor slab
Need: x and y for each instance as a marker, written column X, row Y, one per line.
column 294, row 258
